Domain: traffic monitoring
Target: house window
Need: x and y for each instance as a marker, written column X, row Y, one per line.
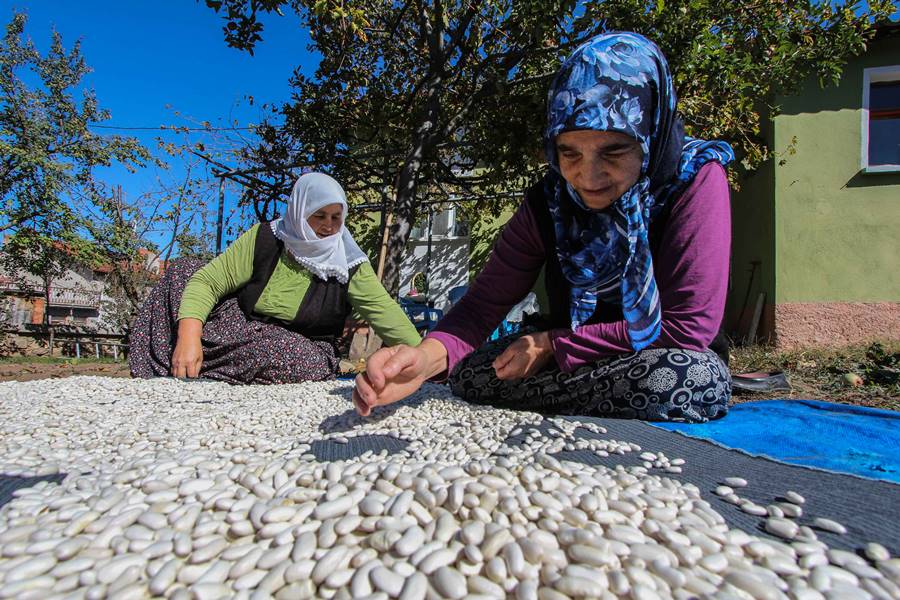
column 881, row 119
column 444, row 224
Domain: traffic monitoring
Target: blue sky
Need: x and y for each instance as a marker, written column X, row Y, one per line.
column 147, row 55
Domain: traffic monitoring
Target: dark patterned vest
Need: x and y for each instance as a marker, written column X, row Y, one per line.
column 322, row 311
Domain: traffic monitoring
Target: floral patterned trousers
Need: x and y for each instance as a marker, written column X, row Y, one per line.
column 657, row 384
column 236, row 350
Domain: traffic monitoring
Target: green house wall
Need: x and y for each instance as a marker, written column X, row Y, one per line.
column 752, row 247
column 824, row 232
column 837, row 228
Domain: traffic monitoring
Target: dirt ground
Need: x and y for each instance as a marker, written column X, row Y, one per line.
column 864, row 375
column 30, row 370
column 22, row 369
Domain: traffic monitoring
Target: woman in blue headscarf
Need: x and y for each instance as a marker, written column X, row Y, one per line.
column 631, row 226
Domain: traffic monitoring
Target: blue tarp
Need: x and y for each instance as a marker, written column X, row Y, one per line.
column 837, row 437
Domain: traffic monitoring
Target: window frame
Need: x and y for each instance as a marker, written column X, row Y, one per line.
column 451, row 228
column 870, row 76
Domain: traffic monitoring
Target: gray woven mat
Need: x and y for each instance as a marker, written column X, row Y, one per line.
column 868, row 508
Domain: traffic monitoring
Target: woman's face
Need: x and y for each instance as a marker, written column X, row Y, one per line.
column 327, row 220
column 600, row 165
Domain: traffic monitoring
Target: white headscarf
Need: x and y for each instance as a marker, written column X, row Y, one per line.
column 334, row 255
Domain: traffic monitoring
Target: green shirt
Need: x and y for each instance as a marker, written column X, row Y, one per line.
column 231, row 270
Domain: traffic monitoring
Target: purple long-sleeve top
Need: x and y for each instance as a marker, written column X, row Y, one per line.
column 690, row 265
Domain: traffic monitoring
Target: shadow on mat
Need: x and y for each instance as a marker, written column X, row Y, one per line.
column 11, row 483
column 328, row 450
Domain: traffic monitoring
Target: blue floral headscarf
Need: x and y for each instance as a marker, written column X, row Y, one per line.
column 620, row 82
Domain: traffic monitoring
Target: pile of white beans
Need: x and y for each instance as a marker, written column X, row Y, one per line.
column 204, row 490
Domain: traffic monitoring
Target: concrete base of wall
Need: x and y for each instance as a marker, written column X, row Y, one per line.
column 800, row 324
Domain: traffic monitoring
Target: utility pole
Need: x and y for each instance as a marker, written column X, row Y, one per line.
column 220, row 222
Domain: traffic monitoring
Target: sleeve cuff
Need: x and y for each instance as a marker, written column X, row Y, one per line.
column 200, row 318
column 456, row 351
column 564, row 359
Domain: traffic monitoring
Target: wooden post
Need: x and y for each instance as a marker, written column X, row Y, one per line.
column 427, row 273
column 382, row 253
column 754, row 322
column 115, row 352
column 97, row 350
column 77, row 348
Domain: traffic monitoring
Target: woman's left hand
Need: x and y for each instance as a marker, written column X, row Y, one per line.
column 524, row 357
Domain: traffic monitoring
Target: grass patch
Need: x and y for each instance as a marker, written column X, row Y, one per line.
column 866, row 375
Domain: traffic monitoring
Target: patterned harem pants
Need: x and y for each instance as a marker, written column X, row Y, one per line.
column 658, row 384
column 235, row 349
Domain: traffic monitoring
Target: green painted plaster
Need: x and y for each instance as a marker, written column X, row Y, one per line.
column 836, row 228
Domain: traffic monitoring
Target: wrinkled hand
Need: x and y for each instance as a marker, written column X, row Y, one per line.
column 187, row 357
column 391, row 374
column 394, row 373
column 524, row 357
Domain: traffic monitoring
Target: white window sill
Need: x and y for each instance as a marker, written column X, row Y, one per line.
column 882, row 169
column 438, row 238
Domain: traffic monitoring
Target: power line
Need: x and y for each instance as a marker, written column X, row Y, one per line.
column 172, row 128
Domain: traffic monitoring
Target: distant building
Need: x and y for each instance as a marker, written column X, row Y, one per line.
column 445, row 263
column 79, row 298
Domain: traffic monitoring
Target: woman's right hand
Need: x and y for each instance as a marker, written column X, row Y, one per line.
column 188, row 355
column 394, row 373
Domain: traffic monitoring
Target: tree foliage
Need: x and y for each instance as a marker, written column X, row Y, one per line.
column 411, row 101
column 48, row 155
column 417, row 101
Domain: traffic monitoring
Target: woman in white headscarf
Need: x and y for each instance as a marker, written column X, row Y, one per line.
column 270, row 308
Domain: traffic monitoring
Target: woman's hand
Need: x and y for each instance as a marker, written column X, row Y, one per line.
column 188, row 355
column 394, row 373
column 524, row 357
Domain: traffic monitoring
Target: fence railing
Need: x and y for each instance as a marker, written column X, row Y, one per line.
column 7, row 285
column 73, row 343
column 118, row 348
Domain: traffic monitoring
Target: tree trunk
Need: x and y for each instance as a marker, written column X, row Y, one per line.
column 398, row 234
column 404, row 212
column 405, row 202
column 46, row 320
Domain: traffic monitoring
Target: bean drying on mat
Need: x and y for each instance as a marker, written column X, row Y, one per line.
column 202, row 490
